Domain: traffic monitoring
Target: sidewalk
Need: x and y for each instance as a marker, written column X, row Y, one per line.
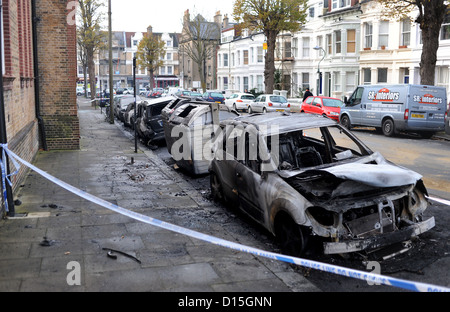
column 60, row 234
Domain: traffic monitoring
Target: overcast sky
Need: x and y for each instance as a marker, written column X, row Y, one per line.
column 162, row 15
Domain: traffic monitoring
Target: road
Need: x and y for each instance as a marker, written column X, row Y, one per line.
column 426, row 259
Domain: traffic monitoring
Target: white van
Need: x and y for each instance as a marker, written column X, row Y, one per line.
column 393, row 108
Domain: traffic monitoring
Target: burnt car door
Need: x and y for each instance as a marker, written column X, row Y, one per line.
column 248, row 179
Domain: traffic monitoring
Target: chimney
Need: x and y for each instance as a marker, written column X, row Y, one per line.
column 218, row 18
column 225, row 21
column 149, row 30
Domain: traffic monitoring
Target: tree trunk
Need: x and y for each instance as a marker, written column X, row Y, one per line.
column 269, row 65
column 430, row 23
column 91, row 68
column 151, row 80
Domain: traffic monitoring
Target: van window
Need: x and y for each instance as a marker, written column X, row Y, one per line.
column 356, row 97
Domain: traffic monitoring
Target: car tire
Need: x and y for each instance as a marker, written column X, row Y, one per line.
column 388, row 127
column 291, row 237
column 216, row 188
column 234, row 107
column 250, row 110
column 264, row 110
column 345, row 121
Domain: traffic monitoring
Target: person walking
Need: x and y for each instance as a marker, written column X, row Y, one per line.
column 307, row 93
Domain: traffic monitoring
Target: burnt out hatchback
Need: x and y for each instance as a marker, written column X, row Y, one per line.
column 302, row 175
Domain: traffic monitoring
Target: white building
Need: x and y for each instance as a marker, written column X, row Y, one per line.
column 343, row 44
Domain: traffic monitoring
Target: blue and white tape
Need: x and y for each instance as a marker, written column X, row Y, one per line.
column 369, row 277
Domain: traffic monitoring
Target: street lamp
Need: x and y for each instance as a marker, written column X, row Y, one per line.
column 319, row 81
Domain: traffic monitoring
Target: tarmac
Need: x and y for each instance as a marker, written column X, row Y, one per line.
column 60, row 242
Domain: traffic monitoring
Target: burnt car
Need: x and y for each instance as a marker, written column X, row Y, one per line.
column 149, row 126
column 303, row 176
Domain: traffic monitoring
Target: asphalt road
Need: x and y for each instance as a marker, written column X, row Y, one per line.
column 426, row 259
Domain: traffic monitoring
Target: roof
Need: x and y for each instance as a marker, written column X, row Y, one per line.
column 275, row 123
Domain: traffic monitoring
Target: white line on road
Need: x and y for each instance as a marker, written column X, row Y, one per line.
column 440, row 200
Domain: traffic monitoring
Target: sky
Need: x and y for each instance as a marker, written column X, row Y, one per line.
column 162, row 15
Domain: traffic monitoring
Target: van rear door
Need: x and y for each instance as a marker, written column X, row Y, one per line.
column 427, row 108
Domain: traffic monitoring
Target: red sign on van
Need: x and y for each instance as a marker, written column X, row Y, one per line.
column 383, row 95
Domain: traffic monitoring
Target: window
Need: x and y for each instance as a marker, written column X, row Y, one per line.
column 295, row 47
column 351, row 41
column 245, row 84
column 404, row 75
column 305, row 50
column 168, row 56
column 367, row 35
column 311, row 12
column 252, row 56
column 383, row 35
column 260, row 55
column 337, row 81
column 339, row 4
column 382, row 75
column 245, row 57
column 337, row 43
column 259, row 82
column 350, row 79
column 367, row 76
column 168, row 43
column 305, row 81
column 406, row 32
column 238, row 57
column 232, row 59
column 225, row 83
column 169, row 70
column 287, row 49
column 445, row 29
column 225, row 59
column 329, row 45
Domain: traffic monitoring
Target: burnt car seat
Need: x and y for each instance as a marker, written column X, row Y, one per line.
column 308, row 157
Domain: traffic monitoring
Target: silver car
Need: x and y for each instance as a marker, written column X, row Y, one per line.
column 266, row 103
column 303, row 175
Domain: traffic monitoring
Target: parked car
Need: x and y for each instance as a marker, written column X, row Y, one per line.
column 142, row 91
column 128, row 115
column 188, row 94
column 313, row 178
column 189, row 131
column 121, row 103
column 80, row 91
column 322, row 105
column 128, row 90
column 213, row 96
column 239, row 101
column 265, row 103
column 149, row 125
column 394, row 108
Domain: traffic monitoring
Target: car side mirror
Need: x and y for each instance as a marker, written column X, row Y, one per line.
column 345, row 100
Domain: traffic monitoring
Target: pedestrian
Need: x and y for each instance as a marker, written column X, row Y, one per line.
column 307, row 93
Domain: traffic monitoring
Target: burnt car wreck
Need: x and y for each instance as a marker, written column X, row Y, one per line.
column 310, row 177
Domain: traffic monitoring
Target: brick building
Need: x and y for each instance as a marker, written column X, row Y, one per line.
column 39, row 77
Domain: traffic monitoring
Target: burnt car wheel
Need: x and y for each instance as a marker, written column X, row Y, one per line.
column 216, row 188
column 291, row 237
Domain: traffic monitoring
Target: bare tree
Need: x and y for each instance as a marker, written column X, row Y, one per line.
column 90, row 38
column 199, row 39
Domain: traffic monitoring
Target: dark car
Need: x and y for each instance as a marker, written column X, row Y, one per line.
column 121, row 103
column 149, row 124
column 215, row 97
column 302, row 176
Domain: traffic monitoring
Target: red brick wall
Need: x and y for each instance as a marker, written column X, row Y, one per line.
column 18, row 82
column 57, row 74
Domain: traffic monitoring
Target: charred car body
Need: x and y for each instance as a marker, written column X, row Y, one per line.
column 302, row 175
column 189, row 129
column 149, row 125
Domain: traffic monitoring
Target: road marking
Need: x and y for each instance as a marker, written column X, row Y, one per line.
column 440, row 200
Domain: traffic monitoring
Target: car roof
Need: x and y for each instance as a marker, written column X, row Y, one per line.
column 284, row 122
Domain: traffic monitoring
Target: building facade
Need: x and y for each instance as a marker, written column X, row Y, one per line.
column 39, row 77
column 343, row 44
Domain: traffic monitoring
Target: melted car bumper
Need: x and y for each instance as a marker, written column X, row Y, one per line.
column 380, row 240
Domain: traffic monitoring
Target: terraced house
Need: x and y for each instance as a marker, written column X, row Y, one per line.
column 343, row 43
column 39, row 78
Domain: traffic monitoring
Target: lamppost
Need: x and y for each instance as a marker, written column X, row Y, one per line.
column 319, row 81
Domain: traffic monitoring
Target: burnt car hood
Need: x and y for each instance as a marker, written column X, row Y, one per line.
column 349, row 181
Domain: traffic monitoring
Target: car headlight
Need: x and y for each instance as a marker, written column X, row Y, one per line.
column 334, row 114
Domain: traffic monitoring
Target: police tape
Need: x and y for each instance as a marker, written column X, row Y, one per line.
column 372, row 278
